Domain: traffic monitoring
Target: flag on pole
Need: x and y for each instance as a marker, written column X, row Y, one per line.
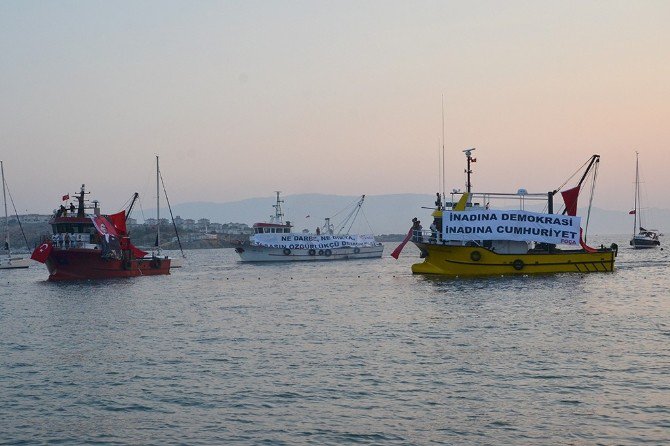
column 41, row 253
column 66, row 197
column 632, row 212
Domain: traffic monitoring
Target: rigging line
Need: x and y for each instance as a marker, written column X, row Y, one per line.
column 346, row 220
column 593, row 189
column 345, row 208
column 171, row 216
column 139, row 200
column 17, row 215
column 366, row 221
column 573, row 175
column 354, row 219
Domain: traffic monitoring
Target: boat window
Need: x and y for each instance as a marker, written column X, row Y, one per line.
column 287, row 230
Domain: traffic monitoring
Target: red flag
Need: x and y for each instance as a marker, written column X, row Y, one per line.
column 585, row 247
column 119, row 222
column 127, row 245
column 474, row 160
column 570, row 197
column 632, row 212
column 396, row 252
column 41, row 253
column 66, row 197
column 137, row 252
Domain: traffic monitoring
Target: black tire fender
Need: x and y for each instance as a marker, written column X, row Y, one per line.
column 475, row 256
column 518, row 264
column 287, row 251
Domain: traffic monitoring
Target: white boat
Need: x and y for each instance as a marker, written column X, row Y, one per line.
column 642, row 238
column 8, row 261
column 275, row 242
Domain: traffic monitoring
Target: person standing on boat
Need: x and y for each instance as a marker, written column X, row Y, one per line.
column 416, row 229
column 318, row 230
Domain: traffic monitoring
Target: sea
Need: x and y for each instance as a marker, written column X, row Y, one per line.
column 338, row 353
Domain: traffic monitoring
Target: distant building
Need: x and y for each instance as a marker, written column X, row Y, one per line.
column 34, row 218
column 202, row 224
column 131, row 221
column 215, row 227
column 179, row 222
column 189, row 224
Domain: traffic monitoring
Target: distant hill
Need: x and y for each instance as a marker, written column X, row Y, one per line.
column 386, row 214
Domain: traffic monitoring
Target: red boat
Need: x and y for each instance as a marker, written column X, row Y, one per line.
column 94, row 246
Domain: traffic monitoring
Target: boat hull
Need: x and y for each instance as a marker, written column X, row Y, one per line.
column 477, row 261
column 250, row 253
column 14, row 263
column 644, row 243
column 85, row 264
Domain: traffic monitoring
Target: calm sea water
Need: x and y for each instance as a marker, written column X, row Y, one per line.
column 357, row 352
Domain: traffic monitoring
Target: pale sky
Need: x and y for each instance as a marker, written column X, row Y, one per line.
column 241, row 98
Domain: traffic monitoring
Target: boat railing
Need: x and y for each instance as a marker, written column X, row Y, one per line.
column 66, row 240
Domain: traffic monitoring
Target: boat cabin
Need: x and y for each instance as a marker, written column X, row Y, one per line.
column 272, row 228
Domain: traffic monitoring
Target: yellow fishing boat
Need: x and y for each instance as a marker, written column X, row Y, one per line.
column 467, row 238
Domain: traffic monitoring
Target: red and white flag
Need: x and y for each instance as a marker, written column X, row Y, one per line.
column 41, row 253
column 632, row 212
column 66, row 197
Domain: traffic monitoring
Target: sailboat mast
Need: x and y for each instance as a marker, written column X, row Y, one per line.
column 158, row 209
column 637, row 192
column 4, row 200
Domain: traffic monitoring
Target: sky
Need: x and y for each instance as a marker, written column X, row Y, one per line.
column 242, row 98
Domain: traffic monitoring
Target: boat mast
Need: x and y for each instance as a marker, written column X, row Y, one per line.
column 443, row 171
column 637, row 193
column 278, row 218
column 158, row 209
column 4, row 200
column 468, row 171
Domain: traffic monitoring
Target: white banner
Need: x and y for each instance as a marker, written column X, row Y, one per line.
column 510, row 225
column 312, row 241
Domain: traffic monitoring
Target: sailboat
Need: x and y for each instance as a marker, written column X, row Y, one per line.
column 645, row 238
column 175, row 263
column 9, row 261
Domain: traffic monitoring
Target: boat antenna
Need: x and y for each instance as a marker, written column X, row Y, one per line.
column 443, row 171
column 468, row 171
column 279, row 216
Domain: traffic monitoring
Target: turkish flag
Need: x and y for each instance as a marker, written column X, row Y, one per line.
column 632, row 212
column 119, row 222
column 66, row 197
column 41, row 253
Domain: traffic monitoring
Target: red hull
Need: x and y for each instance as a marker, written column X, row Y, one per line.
column 83, row 264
